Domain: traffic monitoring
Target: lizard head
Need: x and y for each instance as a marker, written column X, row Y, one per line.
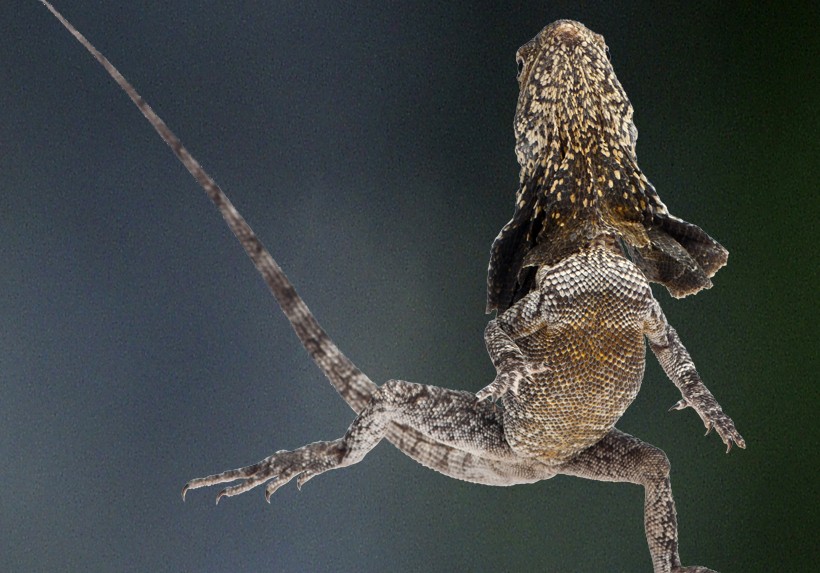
column 569, row 98
column 575, row 142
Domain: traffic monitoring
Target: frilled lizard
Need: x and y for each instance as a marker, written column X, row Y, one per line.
column 573, row 309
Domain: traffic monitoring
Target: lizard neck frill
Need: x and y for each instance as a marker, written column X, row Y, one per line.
column 575, row 142
column 567, row 200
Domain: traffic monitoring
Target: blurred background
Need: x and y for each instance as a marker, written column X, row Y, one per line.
column 370, row 146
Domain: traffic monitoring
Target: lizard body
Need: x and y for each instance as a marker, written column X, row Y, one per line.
column 582, row 306
column 568, row 342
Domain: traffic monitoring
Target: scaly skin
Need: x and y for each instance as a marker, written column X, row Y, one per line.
column 579, row 179
column 568, row 342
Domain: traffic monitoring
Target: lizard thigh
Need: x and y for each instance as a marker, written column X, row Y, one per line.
column 450, row 417
column 446, row 430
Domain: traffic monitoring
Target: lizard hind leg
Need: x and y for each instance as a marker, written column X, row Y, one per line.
column 449, row 417
column 619, row 457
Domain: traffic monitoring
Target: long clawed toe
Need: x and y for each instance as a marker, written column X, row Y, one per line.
column 506, row 381
column 223, row 477
column 253, row 476
column 720, row 422
column 275, row 484
column 725, row 428
column 733, row 438
column 280, row 468
column 247, row 485
column 679, row 405
column 491, row 393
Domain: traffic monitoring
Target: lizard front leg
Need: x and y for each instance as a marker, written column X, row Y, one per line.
column 678, row 365
column 449, row 417
column 528, row 315
column 510, row 364
column 619, row 457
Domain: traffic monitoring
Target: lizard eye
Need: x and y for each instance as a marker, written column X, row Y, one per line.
column 520, row 61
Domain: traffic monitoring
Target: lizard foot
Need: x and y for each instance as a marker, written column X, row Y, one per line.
column 278, row 469
column 505, row 381
column 508, row 379
column 725, row 428
column 714, row 418
column 693, row 569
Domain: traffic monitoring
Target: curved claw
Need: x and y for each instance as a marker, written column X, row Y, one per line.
column 274, row 485
column 507, row 381
column 489, row 393
column 278, row 469
column 730, row 436
column 736, row 439
column 679, row 405
column 304, row 478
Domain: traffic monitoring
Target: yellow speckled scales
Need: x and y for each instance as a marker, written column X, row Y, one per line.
column 569, row 345
column 575, row 142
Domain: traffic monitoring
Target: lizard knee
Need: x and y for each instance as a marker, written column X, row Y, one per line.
column 398, row 393
column 654, row 463
column 390, row 390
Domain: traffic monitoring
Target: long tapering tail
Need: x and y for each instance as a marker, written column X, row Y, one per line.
column 350, row 382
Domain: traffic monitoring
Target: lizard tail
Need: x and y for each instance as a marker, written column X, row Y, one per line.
column 351, row 383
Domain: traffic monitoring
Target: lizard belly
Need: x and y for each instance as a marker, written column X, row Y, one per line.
column 590, row 372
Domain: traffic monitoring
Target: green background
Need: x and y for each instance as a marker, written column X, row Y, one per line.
column 370, row 145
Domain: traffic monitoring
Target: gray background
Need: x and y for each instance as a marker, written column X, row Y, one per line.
column 370, row 146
